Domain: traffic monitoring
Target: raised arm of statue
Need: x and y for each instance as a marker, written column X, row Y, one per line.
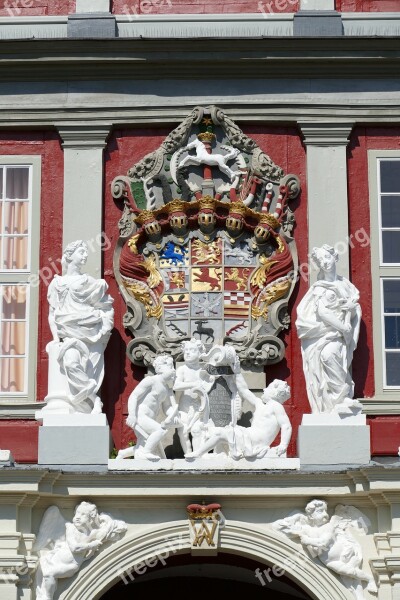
column 244, row 391
column 286, row 428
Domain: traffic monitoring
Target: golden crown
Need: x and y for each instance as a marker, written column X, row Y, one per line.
column 176, row 205
column 207, row 202
column 145, row 215
column 238, row 208
column 207, row 136
column 269, row 220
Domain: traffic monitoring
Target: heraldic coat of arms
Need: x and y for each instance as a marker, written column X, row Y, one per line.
column 206, row 248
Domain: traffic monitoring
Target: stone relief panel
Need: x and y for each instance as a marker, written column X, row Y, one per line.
column 206, row 247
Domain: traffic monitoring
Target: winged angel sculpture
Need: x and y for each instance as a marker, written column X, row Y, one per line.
column 63, row 547
column 332, row 541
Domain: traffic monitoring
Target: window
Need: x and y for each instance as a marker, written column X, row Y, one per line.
column 19, row 258
column 385, row 251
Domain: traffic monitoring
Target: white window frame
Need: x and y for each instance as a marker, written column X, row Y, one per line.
column 387, row 398
column 22, row 399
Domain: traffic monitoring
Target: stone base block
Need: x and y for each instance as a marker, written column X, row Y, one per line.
column 329, row 439
column 6, row 458
column 77, row 439
column 205, row 464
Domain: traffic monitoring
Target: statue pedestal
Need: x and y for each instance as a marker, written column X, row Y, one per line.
column 332, row 439
column 77, row 439
column 206, row 464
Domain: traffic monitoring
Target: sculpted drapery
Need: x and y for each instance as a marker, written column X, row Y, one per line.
column 328, row 325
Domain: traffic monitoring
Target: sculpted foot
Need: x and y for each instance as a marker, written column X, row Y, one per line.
column 142, row 454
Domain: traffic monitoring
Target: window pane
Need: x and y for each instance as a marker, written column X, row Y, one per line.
column 16, row 217
column 390, row 209
column 390, row 176
column 12, row 375
column 17, row 183
column 14, row 302
column 1, row 182
column 391, row 246
column 391, row 295
column 15, row 253
column 393, row 368
column 12, row 338
column 392, row 332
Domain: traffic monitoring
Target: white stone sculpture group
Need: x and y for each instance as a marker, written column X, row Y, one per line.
column 81, row 318
column 63, row 547
column 331, row 541
column 189, row 412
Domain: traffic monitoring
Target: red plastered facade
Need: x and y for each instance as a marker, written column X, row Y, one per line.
column 368, row 5
column 27, row 8
column 155, row 7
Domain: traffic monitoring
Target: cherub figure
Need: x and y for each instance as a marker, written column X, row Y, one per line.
column 332, row 542
column 144, row 404
column 63, row 547
column 194, row 383
column 269, row 417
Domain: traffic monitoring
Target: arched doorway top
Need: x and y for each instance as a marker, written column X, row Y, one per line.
column 163, row 539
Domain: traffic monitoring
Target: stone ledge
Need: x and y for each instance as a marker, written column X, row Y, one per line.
column 205, row 464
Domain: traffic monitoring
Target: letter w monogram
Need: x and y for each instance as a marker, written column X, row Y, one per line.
column 204, row 531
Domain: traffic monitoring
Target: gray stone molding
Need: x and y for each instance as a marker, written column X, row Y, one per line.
column 317, row 5
column 91, row 25
column 316, row 23
column 19, row 409
column 133, row 59
column 92, row 6
column 327, row 187
column 82, row 135
column 210, row 26
column 83, row 179
column 324, row 133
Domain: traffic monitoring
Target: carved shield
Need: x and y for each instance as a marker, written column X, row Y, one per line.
column 206, row 247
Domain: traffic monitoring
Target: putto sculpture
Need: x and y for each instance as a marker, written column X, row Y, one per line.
column 194, row 405
column 269, row 418
column 328, row 325
column 331, row 540
column 81, row 318
column 63, row 547
column 211, row 391
column 151, row 394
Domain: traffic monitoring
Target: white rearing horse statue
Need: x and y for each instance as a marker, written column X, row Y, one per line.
column 213, row 160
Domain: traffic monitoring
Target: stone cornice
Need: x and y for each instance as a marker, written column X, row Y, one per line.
column 259, row 58
column 17, row 483
column 325, row 133
column 84, row 135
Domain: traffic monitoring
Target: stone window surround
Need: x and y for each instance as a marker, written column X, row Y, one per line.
column 388, row 398
column 13, row 278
